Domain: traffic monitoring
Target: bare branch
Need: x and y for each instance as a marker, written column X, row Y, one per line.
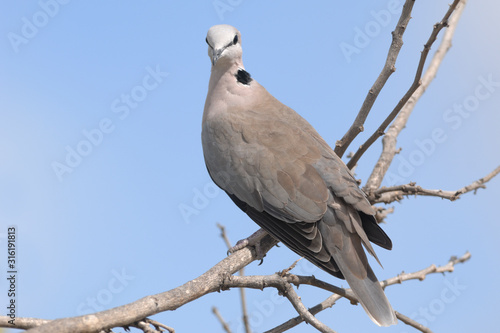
column 224, row 324
column 282, row 284
column 224, row 235
column 330, row 301
column 304, row 312
column 479, row 183
column 145, row 326
column 420, row 275
column 284, row 287
column 381, row 213
column 158, row 325
column 128, row 314
column 412, row 323
column 397, row 193
column 244, row 309
column 22, row 323
column 292, row 266
column 390, row 138
column 241, row 272
column 387, row 70
column 416, row 83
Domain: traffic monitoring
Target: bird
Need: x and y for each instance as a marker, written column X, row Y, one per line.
column 278, row 170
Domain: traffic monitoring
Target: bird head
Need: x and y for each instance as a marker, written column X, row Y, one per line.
column 224, row 44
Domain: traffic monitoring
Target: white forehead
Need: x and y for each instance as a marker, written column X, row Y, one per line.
column 221, row 33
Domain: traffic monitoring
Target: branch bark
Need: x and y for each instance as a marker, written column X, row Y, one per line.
column 330, row 301
column 224, row 324
column 390, row 138
column 416, row 83
column 389, row 68
column 241, row 272
column 23, row 323
column 397, row 193
column 145, row 326
column 128, row 314
column 282, row 283
column 410, row 322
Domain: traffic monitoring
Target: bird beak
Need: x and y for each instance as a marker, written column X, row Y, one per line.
column 216, row 55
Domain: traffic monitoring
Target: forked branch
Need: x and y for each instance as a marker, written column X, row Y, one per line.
column 347, row 293
column 416, row 83
column 387, row 70
column 137, row 311
column 397, row 193
column 389, row 140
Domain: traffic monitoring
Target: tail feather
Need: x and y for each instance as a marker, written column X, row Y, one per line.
column 370, row 294
column 351, row 259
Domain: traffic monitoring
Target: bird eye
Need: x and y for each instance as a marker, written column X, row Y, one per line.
column 235, row 40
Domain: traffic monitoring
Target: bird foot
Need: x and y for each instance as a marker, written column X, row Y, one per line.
column 252, row 240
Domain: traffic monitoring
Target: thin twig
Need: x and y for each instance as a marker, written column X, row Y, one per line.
column 347, row 293
column 390, row 138
column 479, row 183
column 387, row 70
column 397, row 193
column 432, row 269
column 224, row 324
column 382, row 212
column 412, row 323
column 292, row 296
column 241, row 272
column 158, row 325
column 416, row 83
column 224, row 235
column 145, row 326
column 292, row 266
column 244, row 309
column 285, row 288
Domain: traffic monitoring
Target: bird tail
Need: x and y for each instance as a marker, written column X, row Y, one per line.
column 350, row 257
column 370, row 294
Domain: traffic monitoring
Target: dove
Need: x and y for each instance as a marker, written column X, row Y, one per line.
column 278, row 170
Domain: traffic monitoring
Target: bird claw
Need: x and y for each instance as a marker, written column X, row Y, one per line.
column 253, row 241
column 239, row 245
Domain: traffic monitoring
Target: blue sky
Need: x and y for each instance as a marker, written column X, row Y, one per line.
column 101, row 152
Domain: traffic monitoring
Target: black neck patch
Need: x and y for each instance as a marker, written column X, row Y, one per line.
column 243, row 77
